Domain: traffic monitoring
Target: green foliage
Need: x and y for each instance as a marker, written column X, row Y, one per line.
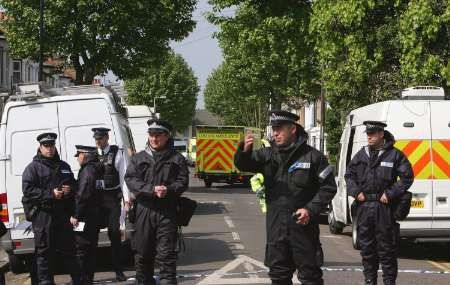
column 369, row 50
column 227, row 97
column 96, row 35
column 425, row 41
column 173, row 79
column 266, row 45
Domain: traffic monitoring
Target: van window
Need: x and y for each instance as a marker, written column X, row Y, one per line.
column 76, row 119
column 21, row 132
column 350, row 145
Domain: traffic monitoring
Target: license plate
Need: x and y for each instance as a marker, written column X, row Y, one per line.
column 417, row 204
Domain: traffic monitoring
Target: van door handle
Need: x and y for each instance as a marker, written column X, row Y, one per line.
column 5, row 157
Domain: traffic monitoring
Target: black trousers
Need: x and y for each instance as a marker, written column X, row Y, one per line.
column 111, row 210
column 378, row 236
column 86, row 256
column 53, row 237
column 155, row 240
column 296, row 248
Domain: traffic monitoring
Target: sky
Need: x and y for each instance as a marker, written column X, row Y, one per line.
column 200, row 50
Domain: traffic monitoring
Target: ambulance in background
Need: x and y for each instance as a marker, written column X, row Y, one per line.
column 215, row 148
column 420, row 123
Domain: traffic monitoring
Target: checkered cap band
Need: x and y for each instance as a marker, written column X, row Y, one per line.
column 155, row 126
column 274, row 117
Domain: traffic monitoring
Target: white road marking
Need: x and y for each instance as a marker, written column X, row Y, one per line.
column 331, row 236
column 249, row 267
column 235, row 236
column 229, row 222
column 218, row 276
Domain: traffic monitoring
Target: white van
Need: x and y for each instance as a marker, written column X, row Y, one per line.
column 71, row 113
column 138, row 115
column 420, row 123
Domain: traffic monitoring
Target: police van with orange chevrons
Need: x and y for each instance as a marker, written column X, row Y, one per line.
column 420, row 123
column 216, row 146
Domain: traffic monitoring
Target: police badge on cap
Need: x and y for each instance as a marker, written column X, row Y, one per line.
column 100, row 132
column 159, row 126
column 280, row 117
column 374, row 126
column 85, row 149
column 46, row 138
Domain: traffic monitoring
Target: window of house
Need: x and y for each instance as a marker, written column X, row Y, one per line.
column 2, row 67
column 17, row 71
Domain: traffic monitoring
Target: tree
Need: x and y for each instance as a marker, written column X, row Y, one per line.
column 368, row 51
column 425, row 41
column 226, row 96
column 358, row 52
column 266, row 44
column 173, row 79
column 96, row 35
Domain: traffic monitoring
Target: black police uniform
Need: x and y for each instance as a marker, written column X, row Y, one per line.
column 111, row 200
column 87, row 199
column 50, row 217
column 296, row 176
column 155, row 224
column 374, row 172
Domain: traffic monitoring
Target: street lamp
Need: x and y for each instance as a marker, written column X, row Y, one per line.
column 154, row 102
column 41, row 40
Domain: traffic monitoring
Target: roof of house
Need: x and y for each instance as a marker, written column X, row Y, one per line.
column 204, row 117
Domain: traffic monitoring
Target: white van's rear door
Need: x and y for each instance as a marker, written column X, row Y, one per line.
column 24, row 124
column 76, row 119
column 440, row 130
column 409, row 122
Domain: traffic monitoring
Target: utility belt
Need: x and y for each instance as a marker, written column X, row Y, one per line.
column 100, row 185
column 372, row 196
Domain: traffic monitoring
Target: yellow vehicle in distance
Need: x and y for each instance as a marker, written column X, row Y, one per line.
column 192, row 151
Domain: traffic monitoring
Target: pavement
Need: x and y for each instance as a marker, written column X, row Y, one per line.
column 225, row 244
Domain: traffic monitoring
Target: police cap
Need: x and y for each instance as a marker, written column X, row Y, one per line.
column 159, row 126
column 85, row 149
column 100, row 132
column 46, row 138
column 374, row 126
column 280, row 117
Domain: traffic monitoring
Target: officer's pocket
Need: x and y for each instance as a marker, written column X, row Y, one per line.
column 301, row 177
column 386, row 173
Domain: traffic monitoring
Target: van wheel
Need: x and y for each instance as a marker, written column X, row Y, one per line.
column 208, row 183
column 355, row 242
column 335, row 226
column 17, row 264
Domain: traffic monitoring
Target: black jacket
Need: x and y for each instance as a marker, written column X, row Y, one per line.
column 147, row 170
column 388, row 172
column 88, row 197
column 39, row 179
column 299, row 177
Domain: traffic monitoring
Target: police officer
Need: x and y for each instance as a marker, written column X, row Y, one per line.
column 157, row 176
column 114, row 190
column 86, row 218
column 299, row 185
column 48, row 186
column 377, row 176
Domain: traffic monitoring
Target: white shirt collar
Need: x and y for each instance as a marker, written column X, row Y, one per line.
column 105, row 150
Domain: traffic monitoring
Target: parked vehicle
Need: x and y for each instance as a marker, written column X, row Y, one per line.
column 215, row 148
column 180, row 145
column 420, row 123
column 138, row 115
column 192, row 151
column 71, row 113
